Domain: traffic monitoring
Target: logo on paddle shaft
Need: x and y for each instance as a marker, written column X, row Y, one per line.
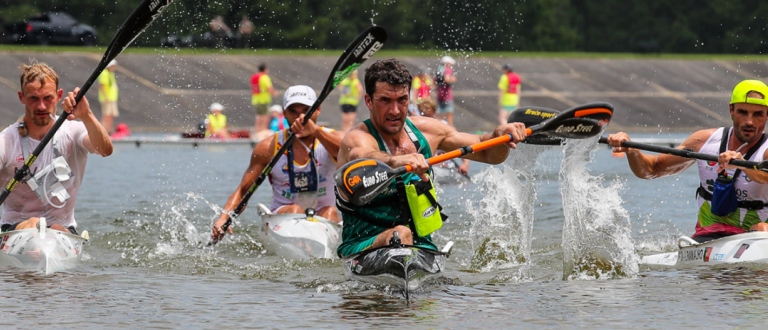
column 377, row 177
column 575, row 129
column 537, row 113
column 364, row 44
column 376, row 46
column 353, row 181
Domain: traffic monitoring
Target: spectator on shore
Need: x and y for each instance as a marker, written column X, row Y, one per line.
column 216, row 125
column 220, row 32
column 261, row 97
column 245, row 29
column 509, row 92
column 108, row 93
column 351, row 92
column 445, row 79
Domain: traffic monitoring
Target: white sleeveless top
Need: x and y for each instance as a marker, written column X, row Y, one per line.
column 325, row 164
column 746, row 189
column 23, row 203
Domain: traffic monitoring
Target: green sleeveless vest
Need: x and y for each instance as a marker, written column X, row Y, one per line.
column 384, row 211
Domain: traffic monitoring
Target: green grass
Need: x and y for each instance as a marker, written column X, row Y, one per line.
column 382, row 53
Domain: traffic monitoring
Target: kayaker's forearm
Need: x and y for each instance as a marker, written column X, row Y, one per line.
column 98, row 136
column 330, row 140
column 756, row 175
column 641, row 165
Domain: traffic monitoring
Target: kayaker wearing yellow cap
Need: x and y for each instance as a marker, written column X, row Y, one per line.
column 727, row 206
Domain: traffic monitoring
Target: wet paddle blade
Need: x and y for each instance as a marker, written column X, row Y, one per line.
column 532, row 116
column 580, row 122
column 361, row 180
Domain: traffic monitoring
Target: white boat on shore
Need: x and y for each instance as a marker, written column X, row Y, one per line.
column 298, row 236
column 41, row 249
column 746, row 247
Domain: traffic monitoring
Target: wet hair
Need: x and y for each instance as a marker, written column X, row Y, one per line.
column 427, row 107
column 390, row 71
column 262, row 67
column 36, row 71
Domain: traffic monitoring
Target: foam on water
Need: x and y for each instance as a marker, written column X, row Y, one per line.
column 597, row 241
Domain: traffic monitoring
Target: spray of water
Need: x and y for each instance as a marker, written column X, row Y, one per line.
column 597, row 240
column 503, row 221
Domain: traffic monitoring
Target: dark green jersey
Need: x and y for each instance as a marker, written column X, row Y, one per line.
column 385, row 211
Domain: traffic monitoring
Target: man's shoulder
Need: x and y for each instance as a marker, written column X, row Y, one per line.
column 697, row 139
column 427, row 125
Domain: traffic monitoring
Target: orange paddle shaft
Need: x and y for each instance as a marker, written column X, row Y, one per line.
column 468, row 149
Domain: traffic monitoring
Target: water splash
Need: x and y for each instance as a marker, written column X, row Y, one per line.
column 597, row 240
column 502, row 229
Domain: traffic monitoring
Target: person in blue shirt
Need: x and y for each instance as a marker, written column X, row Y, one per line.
column 278, row 121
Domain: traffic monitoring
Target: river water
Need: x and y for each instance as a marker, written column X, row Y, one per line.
column 550, row 239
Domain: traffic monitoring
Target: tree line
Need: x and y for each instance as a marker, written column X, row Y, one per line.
column 683, row 26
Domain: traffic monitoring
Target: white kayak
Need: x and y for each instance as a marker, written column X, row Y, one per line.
column 41, row 249
column 746, row 247
column 399, row 265
column 298, row 236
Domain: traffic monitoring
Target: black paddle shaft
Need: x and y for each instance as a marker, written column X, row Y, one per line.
column 688, row 153
column 137, row 22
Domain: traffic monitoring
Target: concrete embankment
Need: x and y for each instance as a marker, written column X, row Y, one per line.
column 171, row 92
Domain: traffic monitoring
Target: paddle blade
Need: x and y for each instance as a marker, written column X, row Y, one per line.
column 361, row 180
column 359, row 50
column 580, row 122
column 532, row 116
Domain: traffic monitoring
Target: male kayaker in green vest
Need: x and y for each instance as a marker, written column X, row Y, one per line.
column 392, row 137
column 749, row 112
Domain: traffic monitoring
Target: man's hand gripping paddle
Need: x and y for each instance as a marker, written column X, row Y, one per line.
column 361, row 180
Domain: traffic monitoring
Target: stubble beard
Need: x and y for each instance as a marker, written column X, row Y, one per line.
column 41, row 121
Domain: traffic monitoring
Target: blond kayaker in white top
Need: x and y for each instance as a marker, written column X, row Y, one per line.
column 59, row 169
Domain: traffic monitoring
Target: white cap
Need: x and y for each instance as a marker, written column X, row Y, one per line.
column 299, row 94
column 216, row 106
column 276, row 108
column 112, row 63
column 447, row 59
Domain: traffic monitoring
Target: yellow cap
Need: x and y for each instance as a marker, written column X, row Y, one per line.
column 743, row 88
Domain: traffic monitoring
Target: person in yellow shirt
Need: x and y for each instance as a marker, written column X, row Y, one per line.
column 216, row 123
column 422, row 85
column 509, row 93
column 351, row 91
column 261, row 97
column 108, row 96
